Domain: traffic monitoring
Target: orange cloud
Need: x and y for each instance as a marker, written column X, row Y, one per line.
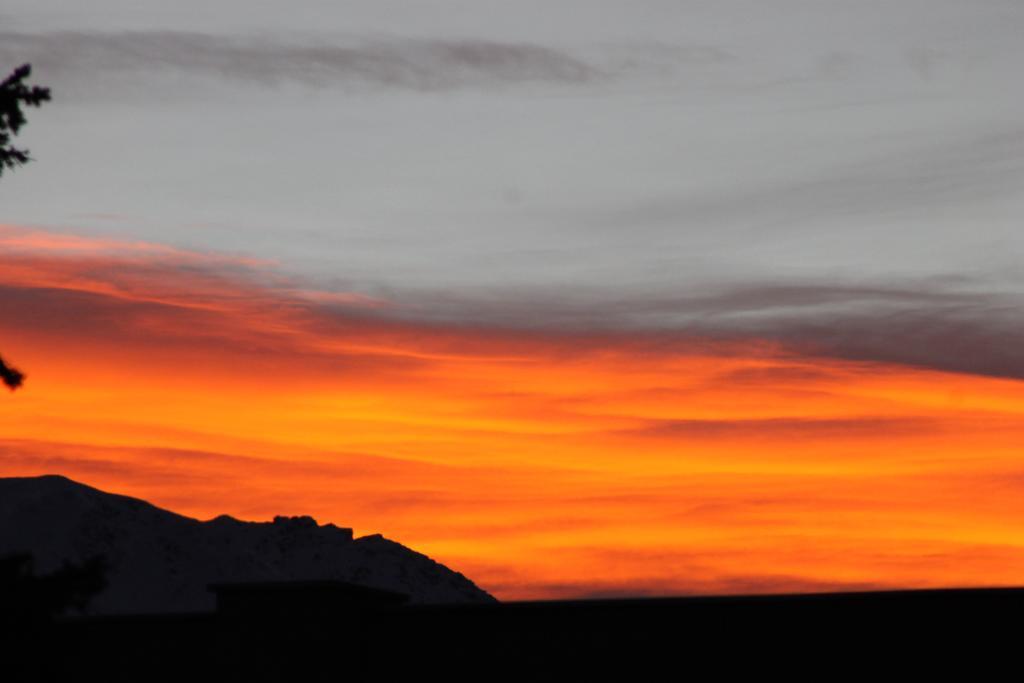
column 540, row 463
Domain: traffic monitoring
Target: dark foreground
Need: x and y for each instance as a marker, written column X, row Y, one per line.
column 314, row 634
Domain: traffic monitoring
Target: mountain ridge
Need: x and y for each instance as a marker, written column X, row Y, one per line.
column 162, row 561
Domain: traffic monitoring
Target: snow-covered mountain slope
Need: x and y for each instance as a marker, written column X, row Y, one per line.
column 163, row 562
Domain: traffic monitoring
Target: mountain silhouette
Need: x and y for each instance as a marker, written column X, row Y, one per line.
column 161, row 562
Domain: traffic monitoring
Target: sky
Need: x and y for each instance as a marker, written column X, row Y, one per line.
column 580, row 298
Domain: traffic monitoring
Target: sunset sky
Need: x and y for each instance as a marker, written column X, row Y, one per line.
column 579, row 298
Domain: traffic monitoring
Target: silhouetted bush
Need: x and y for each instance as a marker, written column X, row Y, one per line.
column 29, row 604
column 30, row 598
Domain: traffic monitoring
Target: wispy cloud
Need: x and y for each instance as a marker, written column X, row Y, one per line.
column 418, row 64
column 789, row 429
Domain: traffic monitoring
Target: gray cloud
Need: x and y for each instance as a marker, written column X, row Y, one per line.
column 943, row 323
column 710, row 306
column 987, row 340
column 418, row 64
column 971, row 333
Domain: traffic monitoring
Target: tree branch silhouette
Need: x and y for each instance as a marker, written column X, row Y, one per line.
column 15, row 93
column 11, row 377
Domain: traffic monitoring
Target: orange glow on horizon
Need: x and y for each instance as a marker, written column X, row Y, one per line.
column 538, row 464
